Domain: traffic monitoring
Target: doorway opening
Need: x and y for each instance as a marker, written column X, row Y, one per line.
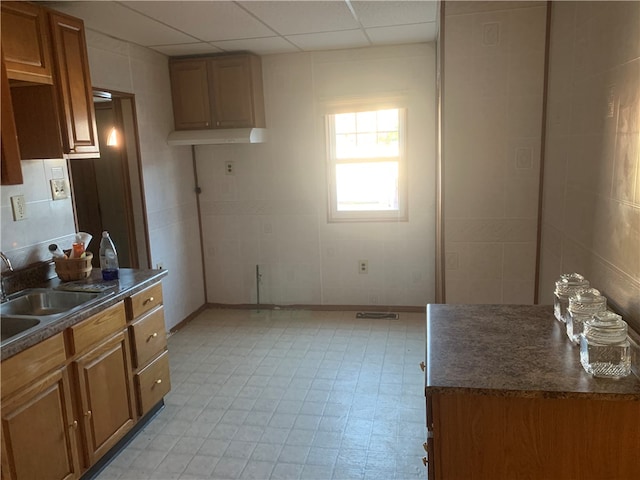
column 108, row 193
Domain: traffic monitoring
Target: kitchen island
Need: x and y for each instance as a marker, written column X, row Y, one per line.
column 508, row 398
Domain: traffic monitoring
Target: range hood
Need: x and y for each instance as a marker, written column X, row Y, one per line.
column 218, row 136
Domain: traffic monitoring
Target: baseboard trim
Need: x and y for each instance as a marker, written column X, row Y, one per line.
column 366, row 308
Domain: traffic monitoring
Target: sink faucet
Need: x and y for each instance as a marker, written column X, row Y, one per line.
column 7, row 262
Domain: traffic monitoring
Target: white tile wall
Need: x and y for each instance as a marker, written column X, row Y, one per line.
column 272, row 212
column 591, row 212
column 167, row 173
column 492, row 109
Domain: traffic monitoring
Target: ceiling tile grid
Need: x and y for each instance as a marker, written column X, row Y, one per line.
column 177, row 28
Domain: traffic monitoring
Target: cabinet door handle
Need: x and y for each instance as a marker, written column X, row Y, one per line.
column 153, row 335
column 158, row 381
column 422, row 366
column 150, row 299
column 74, row 425
column 424, row 445
column 425, row 461
column 206, row 124
column 88, row 414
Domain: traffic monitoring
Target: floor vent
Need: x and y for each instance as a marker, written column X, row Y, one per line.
column 391, row 316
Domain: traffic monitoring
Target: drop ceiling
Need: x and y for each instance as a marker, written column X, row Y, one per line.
column 263, row 27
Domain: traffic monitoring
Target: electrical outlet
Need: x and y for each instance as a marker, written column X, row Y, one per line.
column 363, row 266
column 59, row 189
column 19, row 207
column 228, row 168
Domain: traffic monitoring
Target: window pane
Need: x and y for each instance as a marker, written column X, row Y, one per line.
column 345, row 122
column 366, row 122
column 388, row 119
column 367, row 186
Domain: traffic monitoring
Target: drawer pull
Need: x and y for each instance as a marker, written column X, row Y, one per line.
column 158, row 381
column 153, row 335
column 148, row 300
column 425, row 461
column 74, row 425
column 422, row 366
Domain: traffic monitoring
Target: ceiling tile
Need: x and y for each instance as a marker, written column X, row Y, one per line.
column 259, row 46
column 289, row 18
column 419, row 32
column 121, row 22
column 329, row 40
column 207, row 21
column 178, row 49
column 386, row 13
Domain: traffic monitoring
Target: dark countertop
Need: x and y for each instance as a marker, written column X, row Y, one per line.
column 510, row 350
column 131, row 281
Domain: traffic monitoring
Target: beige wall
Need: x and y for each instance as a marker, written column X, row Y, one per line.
column 591, row 212
column 273, row 211
column 492, row 111
column 167, row 172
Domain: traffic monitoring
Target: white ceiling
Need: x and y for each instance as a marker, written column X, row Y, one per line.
column 262, row 27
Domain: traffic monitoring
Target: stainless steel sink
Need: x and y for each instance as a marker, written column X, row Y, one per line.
column 31, row 309
column 42, row 302
column 12, row 326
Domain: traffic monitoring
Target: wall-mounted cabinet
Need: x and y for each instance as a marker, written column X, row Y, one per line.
column 11, row 169
column 217, row 92
column 26, row 42
column 48, row 72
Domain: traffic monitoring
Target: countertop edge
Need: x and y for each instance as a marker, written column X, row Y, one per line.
column 151, row 277
column 541, row 394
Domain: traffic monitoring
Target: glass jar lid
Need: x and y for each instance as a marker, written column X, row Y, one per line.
column 587, row 301
column 605, row 327
column 569, row 282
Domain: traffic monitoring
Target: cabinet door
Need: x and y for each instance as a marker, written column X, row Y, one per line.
column 25, row 41
column 39, row 432
column 232, row 91
column 77, row 115
column 11, row 169
column 106, row 398
column 190, row 93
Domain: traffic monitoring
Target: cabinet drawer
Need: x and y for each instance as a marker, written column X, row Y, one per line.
column 149, row 336
column 144, row 301
column 97, row 328
column 153, row 383
column 31, row 363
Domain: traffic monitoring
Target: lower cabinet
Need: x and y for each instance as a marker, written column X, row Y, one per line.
column 106, row 399
column 39, row 431
column 69, row 399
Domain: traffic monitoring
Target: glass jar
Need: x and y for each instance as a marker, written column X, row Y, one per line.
column 583, row 305
column 566, row 285
column 604, row 346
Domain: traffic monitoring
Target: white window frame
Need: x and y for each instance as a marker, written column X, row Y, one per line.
column 335, row 215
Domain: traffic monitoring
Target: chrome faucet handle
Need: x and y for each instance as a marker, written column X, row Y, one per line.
column 6, row 261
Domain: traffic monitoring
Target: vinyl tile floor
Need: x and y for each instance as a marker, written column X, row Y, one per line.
column 287, row 394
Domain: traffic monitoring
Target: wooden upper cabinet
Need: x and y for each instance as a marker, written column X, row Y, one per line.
column 190, row 94
column 236, row 82
column 11, row 169
column 26, row 42
column 217, row 92
column 73, row 83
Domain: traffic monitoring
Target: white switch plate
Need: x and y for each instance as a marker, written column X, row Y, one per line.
column 19, row 207
column 59, row 189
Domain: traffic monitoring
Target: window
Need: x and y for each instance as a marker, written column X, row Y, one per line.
column 366, row 161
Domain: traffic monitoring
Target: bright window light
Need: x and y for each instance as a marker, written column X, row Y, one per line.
column 366, row 165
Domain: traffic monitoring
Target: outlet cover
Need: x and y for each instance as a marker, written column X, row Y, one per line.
column 19, row 207
column 59, row 189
